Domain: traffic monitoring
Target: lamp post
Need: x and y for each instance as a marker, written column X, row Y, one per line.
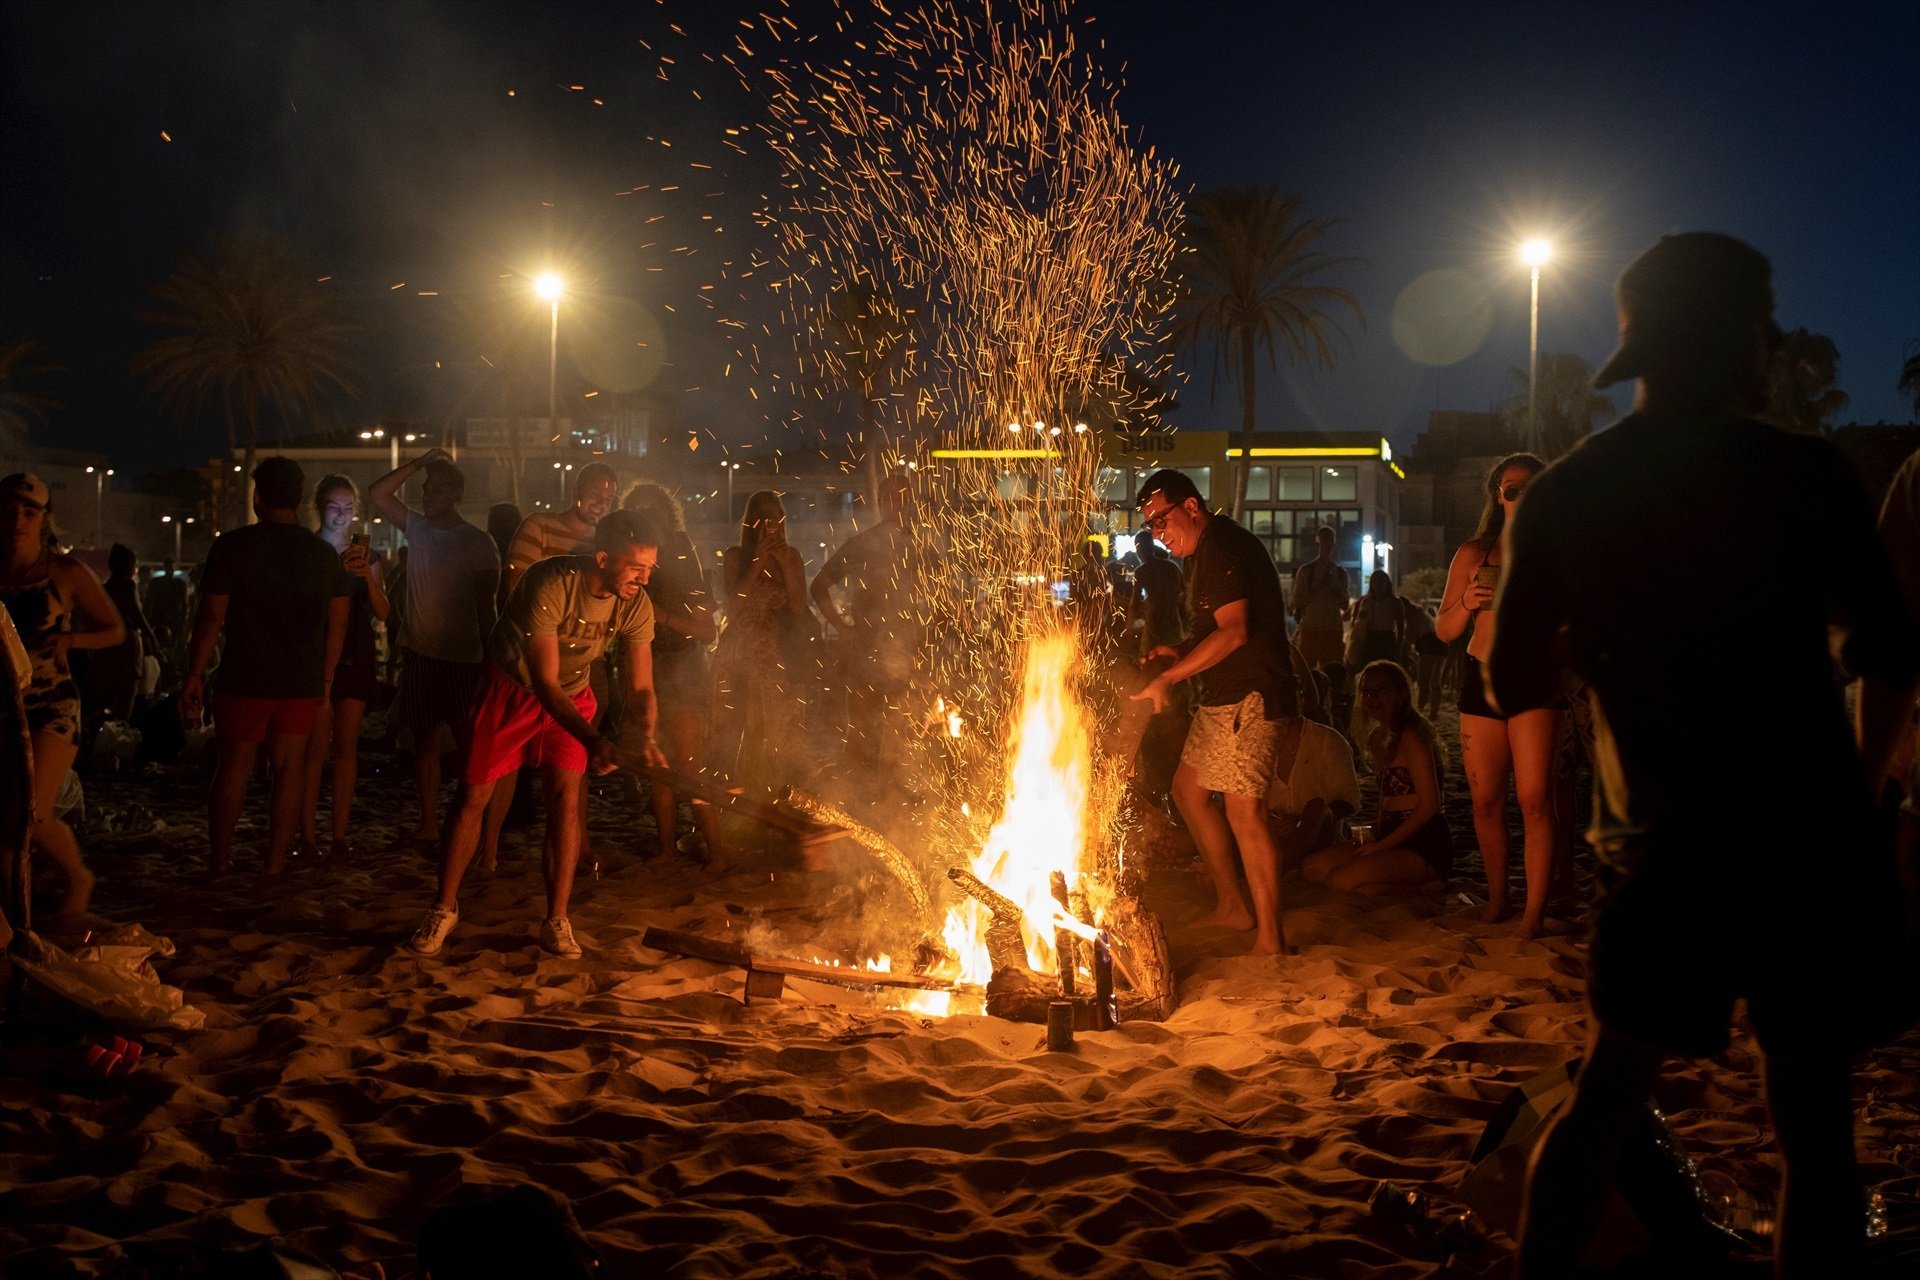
column 99, row 475
column 1535, row 254
column 727, row 469
column 561, row 470
column 550, row 286
column 176, row 522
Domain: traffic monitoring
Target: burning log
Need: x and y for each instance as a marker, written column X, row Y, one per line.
column 766, row 975
column 844, row 824
column 1133, row 981
column 1005, row 947
column 807, row 830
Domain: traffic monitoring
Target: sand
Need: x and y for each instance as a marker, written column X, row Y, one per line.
column 342, row 1087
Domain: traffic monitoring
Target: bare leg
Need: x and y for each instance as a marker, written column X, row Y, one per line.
column 1388, row 871
column 1484, row 753
column 1532, row 737
column 463, row 838
column 1214, row 839
column 53, row 757
column 426, row 777
column 665, row 811
column 1571, row 1167
column 1247, row 815
column 495, row 819
column 313, row 766
column 563, row 835
column 228, row 795
column 288, row 756
column 346, row 767
column 1821, row 1207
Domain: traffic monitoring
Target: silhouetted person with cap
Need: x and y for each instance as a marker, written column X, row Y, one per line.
column 1719, row 766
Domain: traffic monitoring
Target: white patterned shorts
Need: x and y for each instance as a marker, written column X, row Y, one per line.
column 1232, row 748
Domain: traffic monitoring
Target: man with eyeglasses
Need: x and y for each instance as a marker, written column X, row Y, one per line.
column 1733, row 817
column 1239, row 653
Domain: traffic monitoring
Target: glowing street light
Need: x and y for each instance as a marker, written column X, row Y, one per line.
column 1535, row 253
column 549, row 286
column 561, row 469
column 176, row 522
column 99, row 475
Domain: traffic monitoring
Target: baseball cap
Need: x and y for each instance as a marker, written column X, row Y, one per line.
column 24, row 484
column 1688, row 291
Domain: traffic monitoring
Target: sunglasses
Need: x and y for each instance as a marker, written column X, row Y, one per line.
column 1512, row 492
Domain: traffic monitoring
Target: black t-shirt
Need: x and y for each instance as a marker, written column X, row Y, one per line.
column 1653, row 544
column 279, row 580
column 1231, row 564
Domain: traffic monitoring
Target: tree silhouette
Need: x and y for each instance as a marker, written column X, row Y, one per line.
column 1800, row 391
column 1568, row 405
column 1910, row 380
column 1247, row 264
column 250, row 333
column 24, row 367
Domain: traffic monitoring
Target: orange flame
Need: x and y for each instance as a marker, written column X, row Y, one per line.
column 1042, row 829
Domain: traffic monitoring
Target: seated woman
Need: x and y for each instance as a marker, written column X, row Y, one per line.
column 1410, row 846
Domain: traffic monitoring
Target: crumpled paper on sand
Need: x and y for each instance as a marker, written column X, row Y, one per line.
column 112, row 977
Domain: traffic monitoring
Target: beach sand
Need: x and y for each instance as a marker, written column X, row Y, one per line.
column 342, row 1088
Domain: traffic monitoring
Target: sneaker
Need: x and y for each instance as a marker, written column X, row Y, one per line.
column 432, row 933
column 556, row 935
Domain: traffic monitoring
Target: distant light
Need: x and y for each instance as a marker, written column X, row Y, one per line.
column 236, row 469
column 548, row 286
column 1535, row 253
column 1039, row 426
column 1079, row 428
column 366, row 435
column 166, row 519
column 1053, row 431
column 189, row 519
column 1014, row 427
column 89, row 470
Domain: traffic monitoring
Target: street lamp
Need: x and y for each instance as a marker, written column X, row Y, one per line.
column 727, row 469
column 549, row 286
column 99, row 475
column 176, row 523
column 562, row 468
column 1535, row 254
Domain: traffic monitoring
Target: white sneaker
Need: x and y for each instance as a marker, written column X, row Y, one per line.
column 556, row 935
column 432, row 933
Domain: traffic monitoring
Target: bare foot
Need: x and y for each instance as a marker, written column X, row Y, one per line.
column 1272, row 947
column 490, row 861
column 340, row 849
column 1496, row 912
column 308, row 847
column 1532, row 926
column 1240, row 920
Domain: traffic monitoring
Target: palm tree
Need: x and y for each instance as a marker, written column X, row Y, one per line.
column 24, row 367
column 1910, row 380
column 250, row 333
column 1247, row 266
column 1567, row 403
column 1800, row 391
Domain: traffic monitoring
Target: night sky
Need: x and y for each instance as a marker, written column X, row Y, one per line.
column 381, row 141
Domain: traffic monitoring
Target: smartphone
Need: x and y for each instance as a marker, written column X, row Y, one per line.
column 1488, row 576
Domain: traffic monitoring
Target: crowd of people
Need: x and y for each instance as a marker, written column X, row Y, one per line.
column 569, row 643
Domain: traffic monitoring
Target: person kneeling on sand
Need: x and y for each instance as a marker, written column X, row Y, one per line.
column 1314, row 787
column 1409, row 846
column 536, row 708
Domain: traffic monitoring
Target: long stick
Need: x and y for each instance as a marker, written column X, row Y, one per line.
column 727, row 953
column 832, row 815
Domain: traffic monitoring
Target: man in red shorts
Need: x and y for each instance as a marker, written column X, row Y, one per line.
column 536, row 708
column 278, row 591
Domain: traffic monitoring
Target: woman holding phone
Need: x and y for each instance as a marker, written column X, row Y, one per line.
column 1498, row 744
column 336, row 730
